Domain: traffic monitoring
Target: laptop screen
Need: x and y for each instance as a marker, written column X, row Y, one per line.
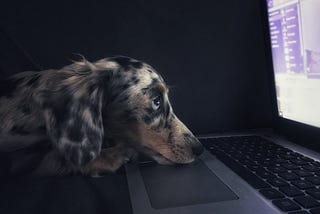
column 295, row 43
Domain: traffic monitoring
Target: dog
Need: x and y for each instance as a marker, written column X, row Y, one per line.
column 94, row 117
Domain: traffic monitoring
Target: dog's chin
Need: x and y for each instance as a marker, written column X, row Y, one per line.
column 162, row 160
column 165, row 161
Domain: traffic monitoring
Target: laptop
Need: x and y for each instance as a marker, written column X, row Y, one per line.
column 260, row 171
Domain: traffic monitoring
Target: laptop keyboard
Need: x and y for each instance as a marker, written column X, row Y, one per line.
column 289, row 179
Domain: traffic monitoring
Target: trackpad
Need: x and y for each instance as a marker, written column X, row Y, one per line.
column 175, row 186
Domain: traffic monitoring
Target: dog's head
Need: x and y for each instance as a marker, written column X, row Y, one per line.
column 139, row 112
column 118, row 100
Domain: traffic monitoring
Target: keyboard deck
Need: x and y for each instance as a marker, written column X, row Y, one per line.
column 290, row 179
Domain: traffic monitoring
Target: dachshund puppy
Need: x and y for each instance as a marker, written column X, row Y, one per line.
column 94, row 117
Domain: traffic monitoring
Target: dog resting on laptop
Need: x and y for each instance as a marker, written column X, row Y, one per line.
column 96, row 116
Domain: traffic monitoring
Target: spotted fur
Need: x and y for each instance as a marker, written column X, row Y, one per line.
column 95, row 116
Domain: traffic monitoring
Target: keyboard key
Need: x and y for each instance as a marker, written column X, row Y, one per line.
column 315, row 180
column 257, row 158
column 302, row 184
column 277, row 182
column 244, row 173
column 271, row 193
column 299, row 162
column 287, row 157
column 291, row 191
column 289, row 166
column 311, row 168
column 315, row 192
column 247, row 162
column 279, row 152
column 306, row 159
column 212, row 148
column 286, row 205
column 303, row 173
column 267, row 163
column 280, row 160
column 254, row 167
column 237, row 157
column 289, row 176
column 277, row 169
column 307, row 201
column 264, row 174
column 315, row 211
column 296, row 154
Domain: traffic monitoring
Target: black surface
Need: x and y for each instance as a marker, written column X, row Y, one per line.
column 66, row 195
column 307, row 201
column 211, row 53
column 271, row 193
column 13, row 59
column 315, row 211
column 315, row 180
column 291, row 191
column 286, row 204
column 277, row 182
column 314, row 193
column 175, row 186
column 302, row 184
column 289, row 176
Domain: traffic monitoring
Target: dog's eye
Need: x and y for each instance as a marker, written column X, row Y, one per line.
column 156, row 103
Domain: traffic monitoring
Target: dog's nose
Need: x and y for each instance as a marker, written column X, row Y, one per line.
column 196, row 146
column 197, row 149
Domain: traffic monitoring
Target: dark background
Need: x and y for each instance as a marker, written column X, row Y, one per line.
column 210, row 52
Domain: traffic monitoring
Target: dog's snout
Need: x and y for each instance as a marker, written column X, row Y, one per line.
column 196, row 146
column 197, row 149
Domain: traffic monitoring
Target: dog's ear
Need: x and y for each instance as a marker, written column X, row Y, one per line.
column 73, row 116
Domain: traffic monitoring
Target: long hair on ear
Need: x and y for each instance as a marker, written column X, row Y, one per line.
column 72, row 108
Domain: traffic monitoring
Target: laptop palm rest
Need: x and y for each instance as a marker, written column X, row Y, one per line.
column 183, row 185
